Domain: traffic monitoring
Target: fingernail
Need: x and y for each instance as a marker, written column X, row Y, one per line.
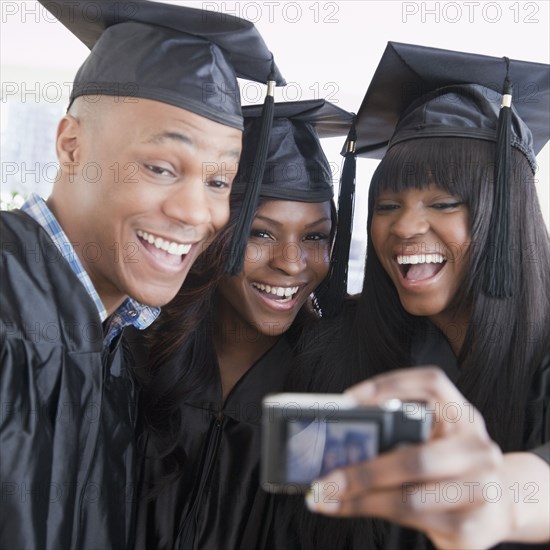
column 325, row 495
column 363, row 390
column 317, row 504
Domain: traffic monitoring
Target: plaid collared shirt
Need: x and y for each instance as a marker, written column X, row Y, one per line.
column 129, row 313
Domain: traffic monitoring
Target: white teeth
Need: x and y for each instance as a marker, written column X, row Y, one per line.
column 278, row 291
column 421, row 259
column 171, row 247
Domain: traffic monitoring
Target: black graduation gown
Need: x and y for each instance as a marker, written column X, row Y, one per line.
column 434, row 349
column 67, row 422
column 217, row 503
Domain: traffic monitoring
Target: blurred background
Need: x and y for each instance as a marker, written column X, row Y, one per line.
column 325, row 49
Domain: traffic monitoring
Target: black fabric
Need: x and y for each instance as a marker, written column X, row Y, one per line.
column 67, row 447
column 432, row 348
column 407, row 72
column 178, row 55
column 465, row 110
column 217, row 503
column 296, row 168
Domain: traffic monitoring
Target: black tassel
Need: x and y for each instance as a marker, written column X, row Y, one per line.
column 331, row 295
column 250, row 199
column 498, row 276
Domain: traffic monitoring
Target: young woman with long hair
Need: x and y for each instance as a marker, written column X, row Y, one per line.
column 457, row 275
column 226, row 341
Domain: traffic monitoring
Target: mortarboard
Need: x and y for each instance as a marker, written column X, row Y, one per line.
column 407, row 72
column 420, row 92
column 296, row 168
column 186, row 57
column 178, row 55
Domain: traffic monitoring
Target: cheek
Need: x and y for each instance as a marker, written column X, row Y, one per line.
column 255, row 256
column 377, row 233
column 322, row 267
column 318, row 260
column 220, row 212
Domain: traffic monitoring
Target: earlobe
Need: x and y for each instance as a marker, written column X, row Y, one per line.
column 68, row 140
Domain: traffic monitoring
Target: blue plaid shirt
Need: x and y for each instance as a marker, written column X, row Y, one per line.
column 129, row 313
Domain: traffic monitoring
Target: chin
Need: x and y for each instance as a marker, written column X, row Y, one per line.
column 421, row 309
column 274, row 327
column 154, row 297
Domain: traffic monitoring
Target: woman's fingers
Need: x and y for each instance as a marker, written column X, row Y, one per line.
column 437, row 460
column 418, row 383
column 445, row 406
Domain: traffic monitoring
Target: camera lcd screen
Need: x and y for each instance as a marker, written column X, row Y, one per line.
column 314, row 447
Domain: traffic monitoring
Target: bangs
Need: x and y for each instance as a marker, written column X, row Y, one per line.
column 459, row 166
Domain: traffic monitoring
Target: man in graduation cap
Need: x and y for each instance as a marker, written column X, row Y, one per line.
column 147, row 154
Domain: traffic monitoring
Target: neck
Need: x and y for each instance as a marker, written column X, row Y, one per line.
column 454, row 326
column 238, row 345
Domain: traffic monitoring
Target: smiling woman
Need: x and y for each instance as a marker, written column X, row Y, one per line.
column 227, row 340
column 421, row 237
column 457, row 276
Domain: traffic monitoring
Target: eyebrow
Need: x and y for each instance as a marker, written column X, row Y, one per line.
column 279, row 224
column 186, row 140
column 174, row 136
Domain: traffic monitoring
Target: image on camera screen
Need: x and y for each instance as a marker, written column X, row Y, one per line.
column 316, row 447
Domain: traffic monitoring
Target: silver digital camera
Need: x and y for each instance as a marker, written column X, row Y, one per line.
column 305, row 435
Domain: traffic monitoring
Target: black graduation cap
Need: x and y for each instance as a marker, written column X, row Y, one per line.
column 178, row 55
column 408, row 72
column 296, row 167
column 420, row 92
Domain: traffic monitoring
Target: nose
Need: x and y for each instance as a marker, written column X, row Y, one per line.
column 409, row 223
column 189, row 203
column 289, row 258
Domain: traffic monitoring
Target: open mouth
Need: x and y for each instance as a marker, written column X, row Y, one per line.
column 419, row 267
column 170, row 252
column 279, row 294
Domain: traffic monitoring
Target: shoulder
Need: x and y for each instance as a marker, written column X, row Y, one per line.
column 42, row 299
column 26, row 243
column 328, row 331
column 322, row 362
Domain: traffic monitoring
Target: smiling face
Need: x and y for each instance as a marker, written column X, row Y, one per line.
column 287, row 257
column 149, row 186
column 421, row 238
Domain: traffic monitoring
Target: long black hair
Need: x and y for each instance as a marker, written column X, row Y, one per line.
column 506, row 339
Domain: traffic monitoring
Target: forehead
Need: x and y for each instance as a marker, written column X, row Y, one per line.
column 294, row 210
column 158, row 123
